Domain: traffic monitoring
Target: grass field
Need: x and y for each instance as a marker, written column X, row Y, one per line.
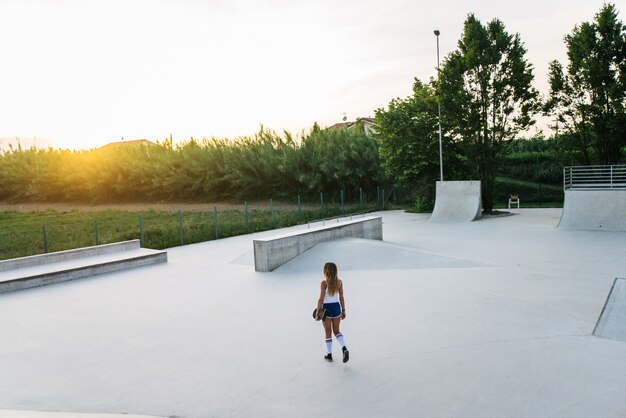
column 531, row 194
column 70, row 226
column 22, row 231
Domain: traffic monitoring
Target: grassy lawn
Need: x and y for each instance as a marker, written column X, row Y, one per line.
column 530, row 205
column 531, row 194
column 21, row 234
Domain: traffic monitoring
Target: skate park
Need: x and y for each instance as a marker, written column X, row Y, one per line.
column 494, row 317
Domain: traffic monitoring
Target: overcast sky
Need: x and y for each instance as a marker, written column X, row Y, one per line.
column 82, row 73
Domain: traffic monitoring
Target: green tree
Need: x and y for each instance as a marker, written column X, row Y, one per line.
column 487, row 96
column 587, row 101
column 407, row 132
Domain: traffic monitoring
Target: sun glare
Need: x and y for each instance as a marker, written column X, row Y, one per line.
column 223, row 69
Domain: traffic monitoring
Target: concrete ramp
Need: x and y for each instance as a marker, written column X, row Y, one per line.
column 457, row 201
column 612, row 321
column 355, row 254
column 603, row 210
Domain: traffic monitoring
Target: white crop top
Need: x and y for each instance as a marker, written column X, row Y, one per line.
column 331, row 299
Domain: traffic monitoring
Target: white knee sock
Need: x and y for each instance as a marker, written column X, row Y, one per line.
column 329, row 345
column 340, row 340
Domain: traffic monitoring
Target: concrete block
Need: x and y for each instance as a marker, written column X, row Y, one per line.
column 60, row 266
column 57, row 256
column 271, row 253
column 86, row 270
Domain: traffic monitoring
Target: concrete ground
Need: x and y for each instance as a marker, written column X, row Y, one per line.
column 491, row 318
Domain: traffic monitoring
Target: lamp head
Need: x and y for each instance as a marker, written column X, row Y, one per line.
column 437, row 32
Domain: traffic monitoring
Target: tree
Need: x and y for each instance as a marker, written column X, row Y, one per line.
column 486, row 95
column 587, row 102
column 409, row 143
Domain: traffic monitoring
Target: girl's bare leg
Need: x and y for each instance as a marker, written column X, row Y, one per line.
column 335, row 323
column 327, row 327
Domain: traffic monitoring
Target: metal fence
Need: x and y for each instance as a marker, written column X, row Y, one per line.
column 28, row 234
column 594, row 177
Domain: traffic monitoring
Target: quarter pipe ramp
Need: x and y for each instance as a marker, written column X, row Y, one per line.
column 594, row 210
column 457, row 201
column 612, row 321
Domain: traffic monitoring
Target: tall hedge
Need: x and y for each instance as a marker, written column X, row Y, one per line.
column 263, row 165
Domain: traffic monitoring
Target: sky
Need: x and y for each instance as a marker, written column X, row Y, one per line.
column 83, row 73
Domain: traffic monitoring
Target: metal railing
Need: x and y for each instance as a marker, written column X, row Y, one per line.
column 594, row 177
column 338, row 218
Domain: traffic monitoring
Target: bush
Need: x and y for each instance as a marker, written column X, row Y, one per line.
column 423, row 204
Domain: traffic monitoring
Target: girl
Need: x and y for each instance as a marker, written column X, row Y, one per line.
column 331, row 296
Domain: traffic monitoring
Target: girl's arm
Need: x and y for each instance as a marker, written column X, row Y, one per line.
column 320, row 301
column 341, row 301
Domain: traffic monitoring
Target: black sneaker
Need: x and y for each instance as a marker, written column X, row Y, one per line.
column 346, row 354
column 328, row 357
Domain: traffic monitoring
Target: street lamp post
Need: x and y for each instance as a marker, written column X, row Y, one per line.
column 439, row 111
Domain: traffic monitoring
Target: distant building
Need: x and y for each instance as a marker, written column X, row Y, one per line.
column 368, row 125
column 131, row 143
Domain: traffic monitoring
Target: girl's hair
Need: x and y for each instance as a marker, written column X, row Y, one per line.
column 330, row 274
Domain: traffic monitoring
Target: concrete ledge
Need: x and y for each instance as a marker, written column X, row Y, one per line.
column 39, row 259
column 271, row 253
column 38, row 414
column 41, row 270
column 60, row 274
